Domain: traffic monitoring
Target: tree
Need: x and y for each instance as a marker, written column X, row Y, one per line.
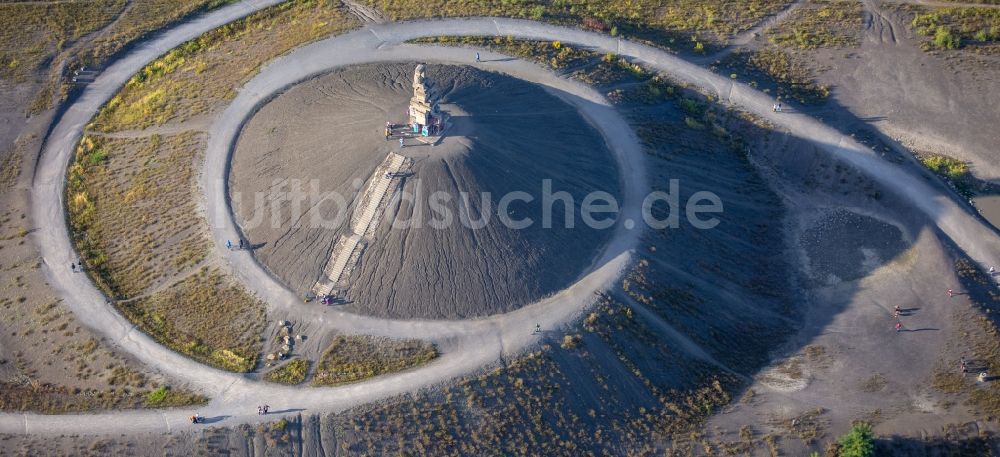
column 858, row 442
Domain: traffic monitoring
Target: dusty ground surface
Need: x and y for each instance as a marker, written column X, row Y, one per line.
column 505, row 136
column 860, row 255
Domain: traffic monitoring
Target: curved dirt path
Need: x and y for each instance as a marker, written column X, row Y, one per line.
column 467, row 345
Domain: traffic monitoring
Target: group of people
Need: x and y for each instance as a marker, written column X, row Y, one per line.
column 776, row 107
column 229, row 244
column 262, row 410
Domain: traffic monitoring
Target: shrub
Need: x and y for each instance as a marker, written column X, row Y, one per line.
column 946, row 166
column 944, row 39
column 858, row 442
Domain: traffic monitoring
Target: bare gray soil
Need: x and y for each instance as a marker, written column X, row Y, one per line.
column 506, row 135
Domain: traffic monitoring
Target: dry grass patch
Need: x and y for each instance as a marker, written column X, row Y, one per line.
column 659, row 21
column 553, row 54
column 200, row 75
column 52, row 399
column 206, row 317
column 820, row 24
column 132, row 210
column 354, row 358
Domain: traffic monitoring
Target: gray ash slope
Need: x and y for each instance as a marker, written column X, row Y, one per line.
column 507, row 135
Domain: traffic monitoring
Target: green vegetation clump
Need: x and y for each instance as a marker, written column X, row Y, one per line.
column 946, row 166
column 353, row 358
column 820, row 24
column 858, row 442
column 291, row 373
column 954, row 28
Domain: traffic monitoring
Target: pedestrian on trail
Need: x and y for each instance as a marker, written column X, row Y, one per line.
column 400, row 143
column 774, row 107
column 266, row 407
column 951, row 293
column 72, row 266
column 964, row 366
column 899, row 326
column 477, row 57
column 993, row 270
column 241, row 243
column 779, row 107
column 229, row 245
column 260, row 410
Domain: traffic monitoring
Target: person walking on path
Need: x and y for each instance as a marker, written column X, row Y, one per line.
column 266, row 407
column 951, row 293
column 229, row 245
column 477, row 57
column 895, row 313
column 400, row 143
column 241, row 244
column 72, row 266
column 260, row 410
column 899, row 326
column 964, row 366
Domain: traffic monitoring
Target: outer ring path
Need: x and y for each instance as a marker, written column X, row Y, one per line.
column 467, row 344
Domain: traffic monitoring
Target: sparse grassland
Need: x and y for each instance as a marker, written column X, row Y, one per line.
column 205, row 316
column 31, row 33
column 820, row 24
column 353, row 358
column 140, row 18
column 292, row 372
column 52, row 399
column 683, row 24
column 49, row 363
column 37, row 37
column 976, row 29
column 202, row 74
column 132, row 210
column 555, row 401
